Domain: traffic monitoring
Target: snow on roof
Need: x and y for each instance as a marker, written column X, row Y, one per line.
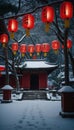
column 37, row 64
column 7, row 87
column 66, row 89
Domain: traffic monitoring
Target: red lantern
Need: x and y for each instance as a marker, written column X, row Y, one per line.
column 38, row 48
column 12, row 27
column 45, row 48
column 23, row 48
column 31, row 49
column 4, row 39
column 55, row 45
column 14, row 47
column 66, row 12
column 2, row 68
column 47, row 16
column 69, row 43
column 28, row 23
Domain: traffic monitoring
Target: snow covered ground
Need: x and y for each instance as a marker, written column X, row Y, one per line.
column 33, row 115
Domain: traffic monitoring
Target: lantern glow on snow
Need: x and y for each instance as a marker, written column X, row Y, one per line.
column 4, row 39
column 66, row 12
column 47, row 16
column 31, row 49
column 23, row 49
column 45, row 48
column 12, row 27
column 14, row 47
column 28, row 23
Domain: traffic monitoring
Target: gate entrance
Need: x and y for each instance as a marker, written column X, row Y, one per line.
column 34, row 82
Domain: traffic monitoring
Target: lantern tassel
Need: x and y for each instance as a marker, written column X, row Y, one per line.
column 56, row 52
column 38, row 53
column 12, row 35
column 45, row 54
column 14, row 52
column 31, row 54
column 27, row 32
column 23, row 54
column 47, row 25
column 4, row 45
column 67, row 23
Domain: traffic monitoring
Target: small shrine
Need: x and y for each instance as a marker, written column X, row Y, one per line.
column 32, row 74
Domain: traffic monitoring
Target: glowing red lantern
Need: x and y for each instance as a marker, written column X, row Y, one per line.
column 31, row 49
column 28, row 23
column 38, row 48
column 66, row 12
column 47, row 16
column 69, row 43
column 23, row 49
column 2, row 68
column 12, row 27
column 4, row 39
column 14, row 47
column 45, row 48
column 55, row 45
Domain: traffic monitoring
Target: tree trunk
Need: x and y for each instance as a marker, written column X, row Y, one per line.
column 66, row 58
column 6, row 64
column 16, row 77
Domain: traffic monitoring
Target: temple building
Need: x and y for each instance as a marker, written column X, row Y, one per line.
column 32, row 74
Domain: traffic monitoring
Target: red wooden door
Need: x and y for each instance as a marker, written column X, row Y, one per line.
column 42, row 80
column 25, row 83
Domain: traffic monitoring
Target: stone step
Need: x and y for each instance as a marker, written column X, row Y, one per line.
column 31, row 95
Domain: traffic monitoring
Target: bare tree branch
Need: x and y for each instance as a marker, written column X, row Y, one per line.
column 20, row 15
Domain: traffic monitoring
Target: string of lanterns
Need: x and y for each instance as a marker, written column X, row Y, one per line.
column 47, row 16
column 38, row 48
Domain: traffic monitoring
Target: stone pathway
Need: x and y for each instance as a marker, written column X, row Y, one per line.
column 33, row 119
column 33, row 115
